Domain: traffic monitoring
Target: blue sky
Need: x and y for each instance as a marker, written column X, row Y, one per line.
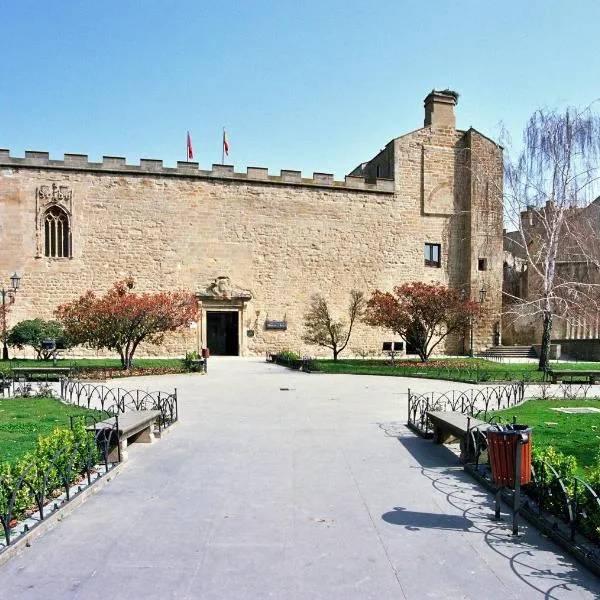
column 313, row 86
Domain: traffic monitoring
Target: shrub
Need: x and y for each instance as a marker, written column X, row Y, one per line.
column 189, row 357
column 57, row 461
column 547, row 487
column 594, row 481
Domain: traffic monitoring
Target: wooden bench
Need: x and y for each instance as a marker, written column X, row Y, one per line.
column 567, row 375
column 449, row 425
column 134, row 426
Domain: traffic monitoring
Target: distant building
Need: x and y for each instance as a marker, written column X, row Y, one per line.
column 578, row 265
column 253, row 246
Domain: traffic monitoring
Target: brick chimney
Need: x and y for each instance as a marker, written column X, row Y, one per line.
column 439, row 108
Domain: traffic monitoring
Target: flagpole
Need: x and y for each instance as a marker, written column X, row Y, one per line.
column 223, row 148
column 187, row 147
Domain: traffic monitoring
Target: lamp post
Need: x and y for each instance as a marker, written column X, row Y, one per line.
column 482, row 295
column 15, row 281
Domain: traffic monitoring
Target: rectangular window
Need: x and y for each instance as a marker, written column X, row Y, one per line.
column 482, row 264
column 432, row 255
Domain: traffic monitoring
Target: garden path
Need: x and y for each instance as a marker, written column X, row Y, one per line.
column 279, row 484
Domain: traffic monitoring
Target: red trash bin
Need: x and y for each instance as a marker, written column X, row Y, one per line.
column 502, row 450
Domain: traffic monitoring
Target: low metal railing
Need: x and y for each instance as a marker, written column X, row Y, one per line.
column 476, row 402
column 566, row 504
column 32, row 491
column 119, row 400
column 560, row 502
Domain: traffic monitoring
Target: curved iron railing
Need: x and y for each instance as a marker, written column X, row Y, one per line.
column 44, row 485
column 556, row 499
column 476, row 402
column 119, row 400
column 569, row 500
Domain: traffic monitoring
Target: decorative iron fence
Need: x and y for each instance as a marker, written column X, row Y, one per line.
column 43, row 481
column 119, row 400
column 65, row 463
column 476, row 402
column 565, row 505
column 564, row 391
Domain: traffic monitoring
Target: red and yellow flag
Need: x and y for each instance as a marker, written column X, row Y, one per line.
column 225, row 143
column 190, row 150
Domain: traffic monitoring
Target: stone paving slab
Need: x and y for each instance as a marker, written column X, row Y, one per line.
column 315, row 492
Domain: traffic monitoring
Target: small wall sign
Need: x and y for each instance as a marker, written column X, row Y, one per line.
column 275, row 324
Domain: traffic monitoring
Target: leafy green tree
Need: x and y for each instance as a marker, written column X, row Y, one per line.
column 33, row 331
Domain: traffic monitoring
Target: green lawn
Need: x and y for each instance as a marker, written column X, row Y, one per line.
column 455, row 369
column 574, row 434
column 107, row 363
column 22, row 420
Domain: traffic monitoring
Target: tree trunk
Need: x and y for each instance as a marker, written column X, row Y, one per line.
column 123, row 362
column 335, row 354
column 546, row 336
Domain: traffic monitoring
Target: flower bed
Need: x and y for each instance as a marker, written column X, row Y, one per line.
column 108, row 373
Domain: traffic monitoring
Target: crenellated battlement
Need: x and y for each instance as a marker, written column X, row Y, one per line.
column 117, row 164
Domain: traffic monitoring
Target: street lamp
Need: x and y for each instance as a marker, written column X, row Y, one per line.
column 482, row 295
column 15, row 281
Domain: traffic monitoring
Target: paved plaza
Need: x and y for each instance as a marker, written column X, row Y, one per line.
column 286, row 485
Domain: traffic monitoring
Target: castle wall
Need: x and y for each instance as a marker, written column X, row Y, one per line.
column 282, row 238
column 486, row 234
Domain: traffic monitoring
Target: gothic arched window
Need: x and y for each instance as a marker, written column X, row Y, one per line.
column 57, row 234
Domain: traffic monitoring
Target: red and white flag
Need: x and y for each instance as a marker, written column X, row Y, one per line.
column 190, row 150
column 225, row 143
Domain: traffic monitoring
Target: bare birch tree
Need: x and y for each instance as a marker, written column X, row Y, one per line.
column 322, row 328
column 547, row 188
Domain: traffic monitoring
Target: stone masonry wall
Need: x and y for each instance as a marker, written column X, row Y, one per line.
column 283, row 239
column 486, row 233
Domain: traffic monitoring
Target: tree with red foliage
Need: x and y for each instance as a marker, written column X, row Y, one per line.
column 422, row 314
column 121, row 319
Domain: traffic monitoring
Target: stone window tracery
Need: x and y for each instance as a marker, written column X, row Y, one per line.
column 54, row 218
column 57, row 233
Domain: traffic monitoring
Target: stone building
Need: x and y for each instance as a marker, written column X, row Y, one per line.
column 254, row 246
column 576, row 322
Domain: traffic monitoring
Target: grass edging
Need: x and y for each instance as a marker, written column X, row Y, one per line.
column 17, row 548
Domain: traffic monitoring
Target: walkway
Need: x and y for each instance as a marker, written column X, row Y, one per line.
column 285, row 485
